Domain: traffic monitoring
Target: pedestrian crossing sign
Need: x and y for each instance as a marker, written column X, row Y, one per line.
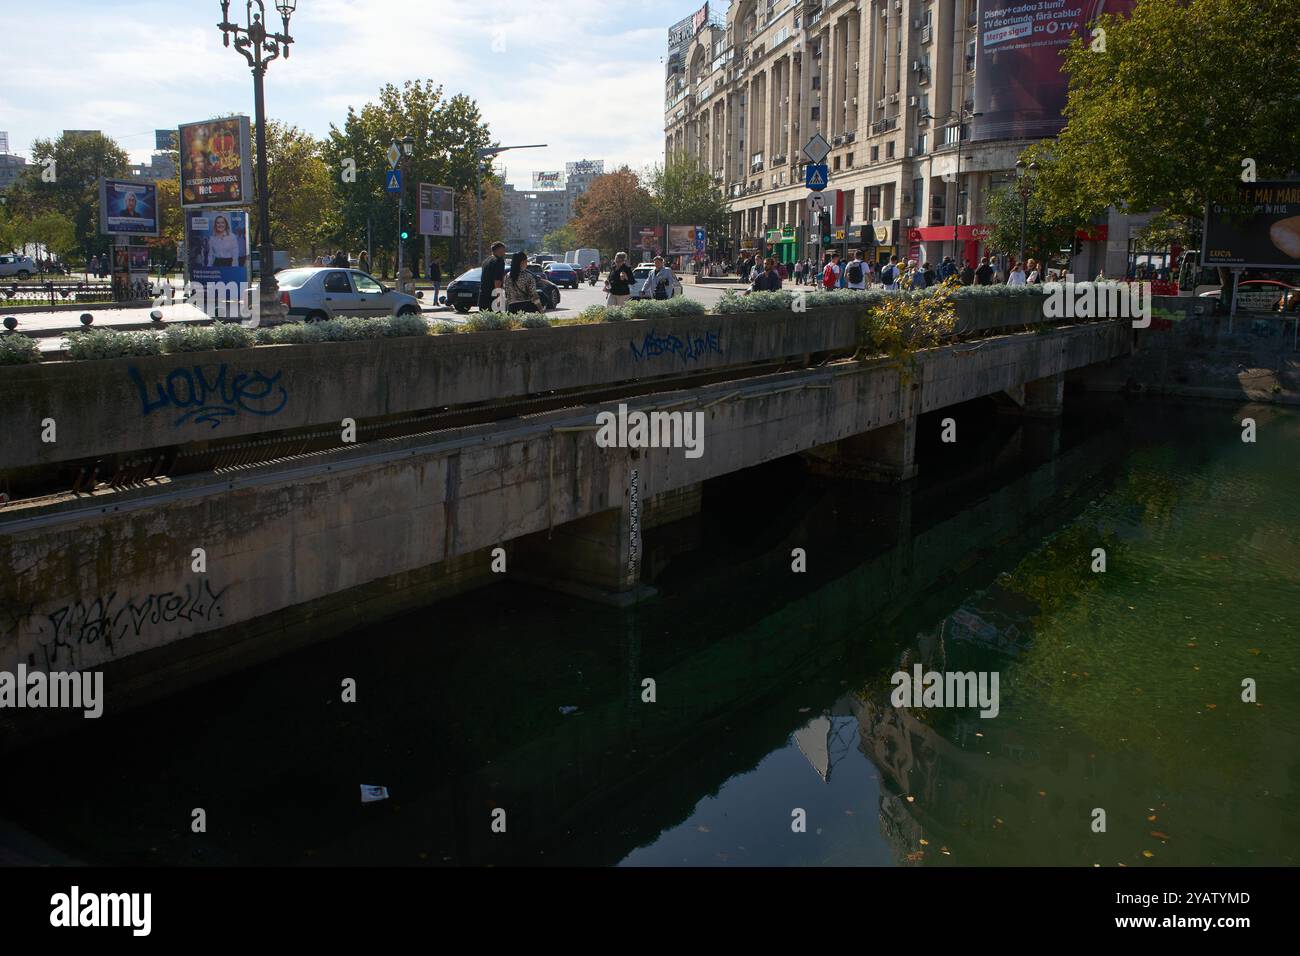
column 393, row 181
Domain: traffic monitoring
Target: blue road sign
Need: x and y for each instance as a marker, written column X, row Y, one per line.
column 816, row 176
column 393, row 181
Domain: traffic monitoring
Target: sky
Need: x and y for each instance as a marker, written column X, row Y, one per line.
column 582, row 76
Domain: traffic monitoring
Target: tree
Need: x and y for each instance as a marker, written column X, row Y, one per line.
column 611, row 206
column 686, row 195
column 447, row 134
column 301, row 197
column 55, row 232
column 63, row 178
column 494, row 221
column 1044, row 235
column 1164, row 115
column 560, row 240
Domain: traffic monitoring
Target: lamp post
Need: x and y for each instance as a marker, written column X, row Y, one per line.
column 1024, row 186
column 407, row 148
column 961, row 116
column 259, row 47
column 487, row 152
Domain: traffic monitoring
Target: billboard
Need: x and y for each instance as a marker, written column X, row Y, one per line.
column 4, row 141
column 216, row 245
column 648, row 238
column 128, row 207
column 437, row 207
column 548, row 180
column 1021, row 90
column 164, row 139
column 585, row 167
column 1260, row 230
column 216, row 163
column 685, row 240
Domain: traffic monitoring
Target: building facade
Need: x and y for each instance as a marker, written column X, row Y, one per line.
column 532, row 213
column 891, row 86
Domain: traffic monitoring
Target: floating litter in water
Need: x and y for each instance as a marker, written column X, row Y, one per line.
column 369, row 794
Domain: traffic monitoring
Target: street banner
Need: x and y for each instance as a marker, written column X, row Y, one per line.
column 216, row 163
column 681, row 240
column 128, row 207
column 648, row 239
column 1260, row 230
column 1021, row 90
column 216, row 246
column 437, row 210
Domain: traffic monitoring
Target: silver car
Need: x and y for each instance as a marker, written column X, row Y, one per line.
column 21, row 267
column 317, row 293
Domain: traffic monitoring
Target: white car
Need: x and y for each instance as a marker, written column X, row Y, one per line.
column 21, row 267
column 317, row 293
column 642, row 272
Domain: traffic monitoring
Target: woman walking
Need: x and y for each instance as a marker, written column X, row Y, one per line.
column 521, row 287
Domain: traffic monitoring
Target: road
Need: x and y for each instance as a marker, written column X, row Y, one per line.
column 51, row 326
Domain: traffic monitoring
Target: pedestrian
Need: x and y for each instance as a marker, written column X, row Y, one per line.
column 889, row 274
column 340, row 259
column 660, row 283
column 947, row 269
column 521, row 287
column 1017, row 276
column 93, row 268
column 435, row 276
column 798, row 272
column 984, row 274
column 364, row 263
column 928, row 271
column 1033, row 275
column 767, row 280
column 831, row 274
column 967, row 274
column 492, row 276
column 855, row 276
column 618, row 283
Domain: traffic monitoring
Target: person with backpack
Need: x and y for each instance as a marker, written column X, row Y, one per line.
column 947, row 268
column 831, row 274
column 855, row 274
column 889, row 274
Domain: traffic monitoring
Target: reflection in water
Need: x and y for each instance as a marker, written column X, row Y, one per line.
column 1119, row 690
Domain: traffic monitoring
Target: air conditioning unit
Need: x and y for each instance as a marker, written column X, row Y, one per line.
column 838, row 141
column 916, row 24
column 916, row 66
column 898, row 6
column 911, row 151
column 908, row 222
column 961, row 220
column 875, row 213
column 893, row 97
column 911, row 101
column 850, row 137
column 880, row 104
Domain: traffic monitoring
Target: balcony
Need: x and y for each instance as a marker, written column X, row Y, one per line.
column 884, row 125
column 926, row 34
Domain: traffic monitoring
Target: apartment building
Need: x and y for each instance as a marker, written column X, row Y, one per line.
column 890, row 84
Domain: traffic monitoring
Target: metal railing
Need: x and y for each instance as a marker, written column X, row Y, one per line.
column 71, row 293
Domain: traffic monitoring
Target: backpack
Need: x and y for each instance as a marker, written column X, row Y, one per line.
column 855, row 272
column 828, row 275
column 888, row 274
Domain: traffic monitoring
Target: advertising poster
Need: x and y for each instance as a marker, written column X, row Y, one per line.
column 1260, row 230
column 437, row 210
column 164, row 139
column 128, row 207
column 216, row 246
column 681, row 240
column 648, row 239
column 216, row 163
column 1021, row 90
column 548, row 180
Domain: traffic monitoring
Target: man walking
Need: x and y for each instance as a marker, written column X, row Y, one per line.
column 492, row 276
column 855, row 275
column 984, row 274
column 769, row 280
column 831, row 274
column 435, row 276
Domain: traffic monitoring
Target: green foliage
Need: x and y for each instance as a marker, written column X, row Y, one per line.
column 685, row 194
column 1164, row 116
column 18, row 349
column 900, row 324
column 611, row 206
column 641, row 309
column 203, row 338
column 1044, row 235
column 445, row 328
column 560, row 240
column 488, row 322
column 534, row 321
column 108, row 344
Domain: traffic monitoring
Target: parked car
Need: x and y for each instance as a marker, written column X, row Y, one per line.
column 1263, row 295
column 642, row 272
column 21, row 267
column 462, row 293
column 562, row 273
column 317, row 293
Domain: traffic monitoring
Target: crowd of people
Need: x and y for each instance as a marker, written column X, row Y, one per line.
column 891, row 274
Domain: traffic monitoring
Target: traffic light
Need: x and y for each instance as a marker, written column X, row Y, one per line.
column 405, row 235
column 825, row 226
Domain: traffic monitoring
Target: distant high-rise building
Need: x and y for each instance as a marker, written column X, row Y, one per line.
column 160, row 166
column 11, row 167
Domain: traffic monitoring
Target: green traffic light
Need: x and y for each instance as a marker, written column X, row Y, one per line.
column 405, row 236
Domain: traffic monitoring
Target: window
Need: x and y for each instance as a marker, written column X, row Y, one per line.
column 875, row 154
column 366, row 284
column 337, row 282
column 816, row 82
column 816, row 112
column 849, row 160
column 836, row 165
column 889, row 150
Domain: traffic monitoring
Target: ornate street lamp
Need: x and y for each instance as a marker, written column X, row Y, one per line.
column 259, row 47
column 1024, row 186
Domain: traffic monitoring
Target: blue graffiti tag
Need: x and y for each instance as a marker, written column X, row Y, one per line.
column 204, row 399
column 692, row 347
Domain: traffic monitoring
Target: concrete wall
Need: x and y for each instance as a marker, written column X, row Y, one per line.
column 94, row 581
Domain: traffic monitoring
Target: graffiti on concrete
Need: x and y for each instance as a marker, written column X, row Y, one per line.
column 207, row 395
column 694, row 346
column 634, row 525
column 82, row 623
